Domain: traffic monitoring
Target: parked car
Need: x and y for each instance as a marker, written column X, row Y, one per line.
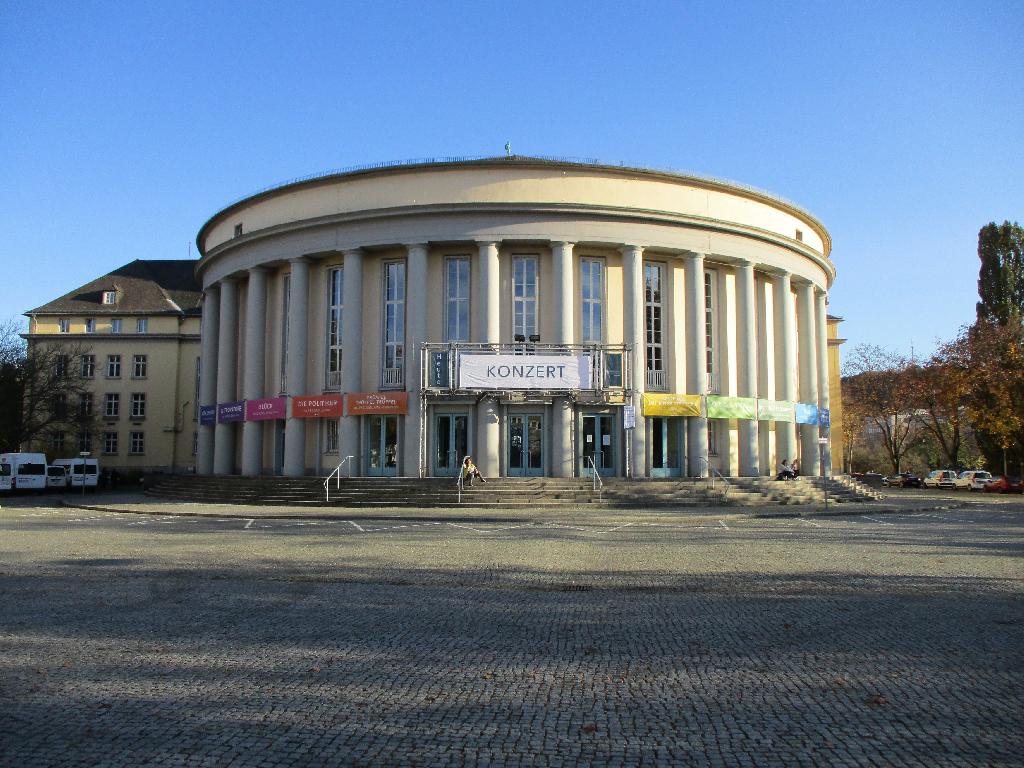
column 967, row 477
column 979, row 483
column 1004, row 485
column 56, row 477
column 940, row 478
column 903, row 480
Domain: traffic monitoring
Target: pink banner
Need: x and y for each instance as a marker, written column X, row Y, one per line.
column 268, row 408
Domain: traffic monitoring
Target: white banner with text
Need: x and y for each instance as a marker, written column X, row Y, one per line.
column 525, row 372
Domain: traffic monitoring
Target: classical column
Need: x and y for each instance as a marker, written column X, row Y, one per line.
column 696, row 361
column 227, row 375
column 785, row 366
column 208, row 374
column 633, row 336
column 255, row 366
column 809, row 460
column 298, row 319
column 351, row 353
column 415, row 335
column 563, row 307
column 746, row 359
column 821, row 328
column 487, row 330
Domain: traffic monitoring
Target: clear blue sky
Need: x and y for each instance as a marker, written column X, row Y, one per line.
column 124, row 126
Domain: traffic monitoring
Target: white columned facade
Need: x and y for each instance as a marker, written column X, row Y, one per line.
column 487, row 330
column 633, row 335
column 809, row 459
column 298, row 334
column 696, row 361
column 208, row 375
column 351, row 352
column 415, row 335
column 253, row 376
column 563, row 307
column 821, row 327
column 785, row 365
column 746, row 359
column 227, row 375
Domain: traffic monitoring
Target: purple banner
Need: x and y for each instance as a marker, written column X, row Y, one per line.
column 207, row 415
column 230, row 412
column 267, row 408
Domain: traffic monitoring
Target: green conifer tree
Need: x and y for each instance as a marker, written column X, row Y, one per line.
column 1001, row 277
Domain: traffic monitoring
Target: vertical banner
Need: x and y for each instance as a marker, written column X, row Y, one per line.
column 824, row 417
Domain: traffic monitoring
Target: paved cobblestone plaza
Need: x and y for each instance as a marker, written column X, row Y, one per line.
column 431, row 638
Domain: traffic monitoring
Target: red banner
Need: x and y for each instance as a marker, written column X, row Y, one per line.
column 316, row 407
column 359, row 403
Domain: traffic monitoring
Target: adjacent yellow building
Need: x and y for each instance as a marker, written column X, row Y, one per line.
column 135, row 336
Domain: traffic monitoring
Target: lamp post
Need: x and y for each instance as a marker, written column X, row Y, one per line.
column 84, row 455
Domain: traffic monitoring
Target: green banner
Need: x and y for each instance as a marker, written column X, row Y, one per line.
column 775, row 410
column 731, row 407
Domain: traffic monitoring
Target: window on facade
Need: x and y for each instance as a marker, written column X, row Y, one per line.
column 139, row 365
column 335, row 303
column 59, row 405
column 115, row 325
column 592, row 300
column 709, row 325
column 285, row 300
column 85, row 404
column 113, row 366
column 85, row 442
column 60, row 366
column 653, row 317
column 238, row 230
column 112, row 405
column 110, row 297
column 88, row 366
column 90, row 325
column 57, row 440
column 110, row 442
column 63, row 325
column 331, row 436
column 195, row 443
column 712, row 438
column 138, row 405
column 137, row 443
column 456, row 295
column 524, row 298
column 142, row 325
column 394, row 322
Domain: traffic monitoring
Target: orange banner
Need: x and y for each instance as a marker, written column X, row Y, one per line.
column 359, row 403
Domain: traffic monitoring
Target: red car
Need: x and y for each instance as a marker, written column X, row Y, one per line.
column 1004, row 485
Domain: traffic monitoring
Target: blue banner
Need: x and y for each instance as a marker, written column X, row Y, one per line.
column 824, row 417
column 806, row 413
column 207, row 415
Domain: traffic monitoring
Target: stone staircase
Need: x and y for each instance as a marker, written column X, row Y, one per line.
column 507, row 492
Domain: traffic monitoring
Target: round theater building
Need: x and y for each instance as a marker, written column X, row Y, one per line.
column 549, row 318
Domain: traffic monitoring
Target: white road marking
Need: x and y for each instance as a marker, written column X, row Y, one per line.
column 722, row 523
column 356, row 526
column 249, row 524
column 876, row 520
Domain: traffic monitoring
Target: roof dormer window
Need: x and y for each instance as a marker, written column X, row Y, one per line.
column 110, row 297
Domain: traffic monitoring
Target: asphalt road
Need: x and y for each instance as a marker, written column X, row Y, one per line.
column 469, row 638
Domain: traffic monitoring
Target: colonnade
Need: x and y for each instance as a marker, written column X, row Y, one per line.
column 801, row 377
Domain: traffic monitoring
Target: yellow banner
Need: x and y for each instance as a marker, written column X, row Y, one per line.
column 670, row 405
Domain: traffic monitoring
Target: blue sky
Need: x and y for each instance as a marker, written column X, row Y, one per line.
column 124, row 126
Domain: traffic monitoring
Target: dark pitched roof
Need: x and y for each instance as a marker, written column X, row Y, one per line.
column 144, row 287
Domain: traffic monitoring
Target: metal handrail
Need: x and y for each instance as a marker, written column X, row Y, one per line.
column 336, row 474
column 598, row 484
column 712, row 472
column 458, row 482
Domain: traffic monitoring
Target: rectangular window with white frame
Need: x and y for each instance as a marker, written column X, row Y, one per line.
column 710, row 286
column 115, row 325
column 63, row 325
column 113, row 366
column 524, row 298
column 394, row 324
column 88, row 366
column 330, row 436
column 137, row 443
column 90, row 325
column 456, row 295
column 111, row 405
column 142, row 325
column 110, row 297
column 335, row 307
column 140, row 366
column 110, row 442
column 654, row 327
column 138, row 405
column 592, row 300
column 85, row 404
column 85, row 442
column 56, row 440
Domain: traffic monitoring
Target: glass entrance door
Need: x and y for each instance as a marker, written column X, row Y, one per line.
column 666, row 446
column 525, row 445
column 381, row 446
column 451, row 443
column 598, row 445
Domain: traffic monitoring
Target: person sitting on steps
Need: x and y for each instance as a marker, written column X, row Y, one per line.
column 469, row 471
column 785, row 471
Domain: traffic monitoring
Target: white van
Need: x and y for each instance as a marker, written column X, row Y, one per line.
column 56, row 477
column 28, row 471
column 5, row 473
column 76, row 475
